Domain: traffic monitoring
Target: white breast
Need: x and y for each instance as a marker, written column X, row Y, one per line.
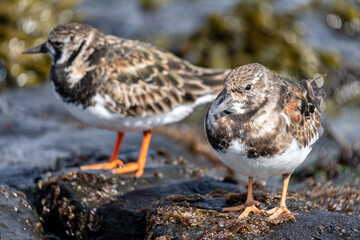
column 236, row 158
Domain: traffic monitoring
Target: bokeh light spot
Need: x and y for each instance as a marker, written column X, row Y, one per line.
column 333, row 21
column 29, row 26
column 15, row 69
column 21, row 79
column 66, row 16
column 45, row 15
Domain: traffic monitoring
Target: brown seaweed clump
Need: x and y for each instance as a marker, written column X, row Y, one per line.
column 335, row 198
column 194, row 217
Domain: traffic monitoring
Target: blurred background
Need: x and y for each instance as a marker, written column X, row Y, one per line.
column 297, row 39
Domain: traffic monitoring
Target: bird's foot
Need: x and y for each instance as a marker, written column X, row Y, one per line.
column 129, row 167
column 277, row 211
column 103, row 166
column 247, row 207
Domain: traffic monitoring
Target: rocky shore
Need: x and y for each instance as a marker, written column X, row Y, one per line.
column 44, row 195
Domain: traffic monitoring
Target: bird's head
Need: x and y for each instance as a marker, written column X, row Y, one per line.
column 247, row 88
column 64, row 42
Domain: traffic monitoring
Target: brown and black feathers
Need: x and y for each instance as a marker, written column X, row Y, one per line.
column 147, row 80
column 135, row 78
column 264, row 111
column 303, row 106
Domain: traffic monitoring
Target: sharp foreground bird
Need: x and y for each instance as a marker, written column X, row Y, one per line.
column 123, row 85
column 264, row 125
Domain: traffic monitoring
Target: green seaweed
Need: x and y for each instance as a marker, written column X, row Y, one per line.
column 254, row 31
column 24, row 24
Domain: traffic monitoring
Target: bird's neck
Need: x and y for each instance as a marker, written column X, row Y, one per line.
column 76, row 83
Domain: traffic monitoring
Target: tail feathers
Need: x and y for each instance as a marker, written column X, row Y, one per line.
column 205, row 81
column 214, row 79
column 316, row 94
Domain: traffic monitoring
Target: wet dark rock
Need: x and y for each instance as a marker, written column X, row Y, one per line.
column 20, row 177
column 105, row 206
column 18, row 220
column 318, row 225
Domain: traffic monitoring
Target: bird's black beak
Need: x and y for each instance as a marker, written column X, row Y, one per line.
column 38, row 49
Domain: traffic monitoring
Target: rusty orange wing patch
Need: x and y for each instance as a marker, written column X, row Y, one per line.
column 293, row 106
column 304, row 111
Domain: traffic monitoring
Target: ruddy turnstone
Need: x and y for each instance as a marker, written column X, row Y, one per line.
column 264, row 125
column 123, row 85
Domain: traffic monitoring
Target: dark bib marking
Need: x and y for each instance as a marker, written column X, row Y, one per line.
column 81, row 93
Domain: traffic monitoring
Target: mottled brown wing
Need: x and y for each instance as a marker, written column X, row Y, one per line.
column 303, row 108
column 144, row 80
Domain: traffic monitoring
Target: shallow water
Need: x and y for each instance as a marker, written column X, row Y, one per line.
column 126, row 18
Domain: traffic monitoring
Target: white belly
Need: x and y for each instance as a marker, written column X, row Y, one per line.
column 101, row 117
column 236, row 158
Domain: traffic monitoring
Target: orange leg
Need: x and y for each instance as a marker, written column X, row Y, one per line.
column 250, row 204
column 275, row 212
column 113, row 162
column 140, row 164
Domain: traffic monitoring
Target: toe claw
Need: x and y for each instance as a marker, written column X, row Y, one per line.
column 277, row 211
column 103, row 166
column 252, row 209
column 272, row 211
column 233, row 209
column 126, row 168
column 248, row 208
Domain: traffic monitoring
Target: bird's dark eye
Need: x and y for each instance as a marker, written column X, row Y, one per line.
column 248, row 87
column 58, row 44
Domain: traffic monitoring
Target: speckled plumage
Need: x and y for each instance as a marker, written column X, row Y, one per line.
column 123, row 85
column 267, row 119
column 263, row 125
column 136, row 79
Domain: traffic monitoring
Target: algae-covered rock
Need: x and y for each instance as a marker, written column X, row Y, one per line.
column 79, row 205
column 104, row 206
column 344, row 198
column 198, row 217
column 18, row 220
